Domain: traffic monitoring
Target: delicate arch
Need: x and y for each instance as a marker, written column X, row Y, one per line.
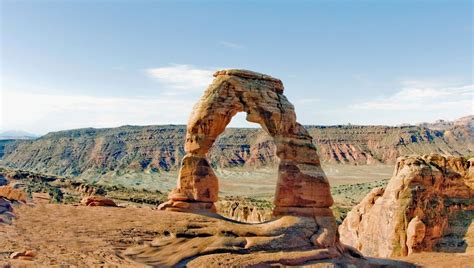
column 302, row 187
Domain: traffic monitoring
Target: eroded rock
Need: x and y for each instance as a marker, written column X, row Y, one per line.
column 412, row 213
column 287, row 240
column 302, row 187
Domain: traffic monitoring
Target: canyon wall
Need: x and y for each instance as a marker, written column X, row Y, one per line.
column 160, row 148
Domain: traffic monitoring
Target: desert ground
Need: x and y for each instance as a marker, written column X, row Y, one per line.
column 97, row 236
column 70, row 234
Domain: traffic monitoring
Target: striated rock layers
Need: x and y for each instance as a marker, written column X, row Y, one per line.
column 302, row 187
column 426, row 196
column 94, row 153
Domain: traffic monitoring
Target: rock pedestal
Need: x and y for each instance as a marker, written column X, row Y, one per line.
column 302, row 189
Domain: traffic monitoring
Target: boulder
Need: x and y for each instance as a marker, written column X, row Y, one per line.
column 98, row 201
column 27, row 255
column 3, row 181
column 412, row 213
column 6, row 211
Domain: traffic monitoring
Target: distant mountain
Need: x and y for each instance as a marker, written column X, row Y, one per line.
column 156, row 149
column 466, row 121
column 17, row 135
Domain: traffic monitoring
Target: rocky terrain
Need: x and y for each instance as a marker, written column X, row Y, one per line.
column 428, row 205
column 152, row 150
column 55, row 235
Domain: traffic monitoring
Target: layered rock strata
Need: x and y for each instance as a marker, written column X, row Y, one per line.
column 302, row 187
column 412, row 213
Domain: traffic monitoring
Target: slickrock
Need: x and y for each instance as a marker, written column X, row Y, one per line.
column 287, row 240
column 302, row 187
column 98, row 201
column 412, row 213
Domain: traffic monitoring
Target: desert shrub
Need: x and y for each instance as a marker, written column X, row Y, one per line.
column 56, row 195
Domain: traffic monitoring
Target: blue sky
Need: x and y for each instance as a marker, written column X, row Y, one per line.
column 71, row 64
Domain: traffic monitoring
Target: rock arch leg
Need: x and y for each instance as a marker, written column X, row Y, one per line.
column 302, row 188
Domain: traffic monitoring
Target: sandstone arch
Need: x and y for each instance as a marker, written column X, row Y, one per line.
column 302, row 188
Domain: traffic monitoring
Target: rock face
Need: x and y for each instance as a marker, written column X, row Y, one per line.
column 302, row 187
column 412, row 213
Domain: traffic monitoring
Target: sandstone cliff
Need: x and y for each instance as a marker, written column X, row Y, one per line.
column 160, row 148
column 427, row 205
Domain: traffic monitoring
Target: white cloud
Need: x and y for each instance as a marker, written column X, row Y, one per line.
column 41, row 113
column 230, row 45
column 423, row 99
column 443, row 82
column 182, row 77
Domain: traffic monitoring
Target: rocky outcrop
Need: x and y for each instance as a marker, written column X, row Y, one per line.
column 412, row 213
column 12, row 194
column 98, row 201
column 302, row 187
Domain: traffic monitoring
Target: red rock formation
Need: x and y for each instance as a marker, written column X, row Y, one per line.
column 412, row 213
column 12, row 194
column 302, row 187
column 96, row 201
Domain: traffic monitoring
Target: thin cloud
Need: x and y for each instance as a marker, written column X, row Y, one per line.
column 182, row 77
column 439, row 83
column 307, row 100
column 41, row 113
column 424, row 99
column 230, row 45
